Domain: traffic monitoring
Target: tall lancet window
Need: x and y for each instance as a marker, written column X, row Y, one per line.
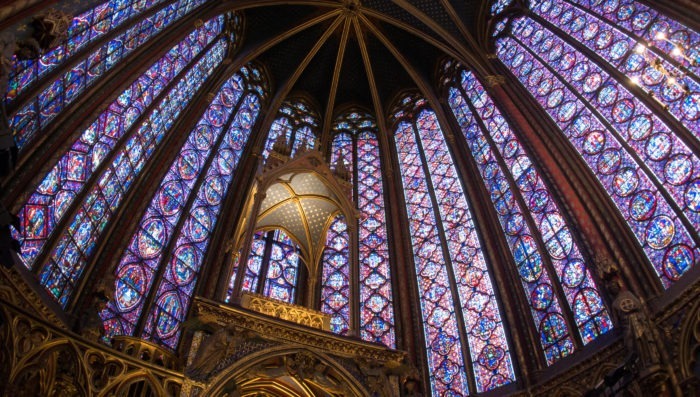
column 158, row 271
column 551, row 268
column 105, row 160
column 464, row 333
column 298, row 122
column 97, row 40
column 621, row 82
column 356, row 148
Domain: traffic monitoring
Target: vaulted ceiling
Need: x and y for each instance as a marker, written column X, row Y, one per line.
column 360, row 52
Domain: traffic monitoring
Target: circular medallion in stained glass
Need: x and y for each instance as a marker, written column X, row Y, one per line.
column 651, row 76
column 692, row 196
column 203, row 137
column 567, row 111
column 691, row 106
column 586, row 304
column 186, row 258
column 213, row 190
column 567, row 61
column 228, row 96
column 556, row 51
column 643, row 205
column 604, row 39
column 530, row 269
column 535, row 76
column 619, row 49
column 660, row 232
column 623, row 110
column 626, row 11
column 541, row 297
column 545, row 86
column 560, row 246
column 607, row 95
column 169, row 314
column 538, row 201
column 130, row 286
column 514, row 224
column 634, row 63
column 490, row 170
column 609, row 161
column 170, row 198
column 594, row 142
column 592, row 82
column 590, row 30
column 658, row 147
column 199, row 225
column 625, row 182
column 552, row 328
column 610, row 6
column 578, row 24
column 677, row 260
column 671, row 93
column 641, row 20
column 491, row 356
column 640, row 127
column 581, row 125
column 678, row 169
column 566, row 17
column 483, row 327
column 215, row 115
column 510, row 149
column 555, row 98
column 526, row 67
column 188, row 164
column 151, row 238
column 574, row 273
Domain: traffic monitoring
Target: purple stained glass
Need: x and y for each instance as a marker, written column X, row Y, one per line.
column 443, row 347
column 62, row 91
column 176, row 289
column 159, row 222
column 556, row 236
column 58, row 189
column 335, row 276
column 614, row 149
column 627, row 51
column 485, row 334
column 282, row 268
column 298, row 122
column 84, row 28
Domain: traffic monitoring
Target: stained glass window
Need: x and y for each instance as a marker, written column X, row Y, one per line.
column 298, row 122
column 112, row 139
column 214, row 145
column 59, row 93
column 642, row 162
column 335, row 278
column 512, row 179
column 355, row 143
column 277, row 256
column 456, row 293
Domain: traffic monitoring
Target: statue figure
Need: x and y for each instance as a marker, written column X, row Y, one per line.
column 637, row 327
column 212, row 351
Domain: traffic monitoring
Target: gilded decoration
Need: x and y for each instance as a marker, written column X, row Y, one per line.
column 285, row 311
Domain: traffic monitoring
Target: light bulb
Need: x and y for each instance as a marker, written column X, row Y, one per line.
column 639, row 49
column 676, row 51
column 672, row 80
column 660, row 36
column 634, row 80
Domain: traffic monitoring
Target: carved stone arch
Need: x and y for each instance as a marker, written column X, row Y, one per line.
column 569, row 391
column 121, row 385
column 55, row 368
column 296, row 364
column 689, row 344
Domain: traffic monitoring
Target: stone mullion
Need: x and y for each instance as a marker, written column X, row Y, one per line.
column 76, row 117
column 177, row 230
column 43, row 82
column 652, row 104
column 523, row 340
column 265, row 264
column 411, row 337
column 126, row 218
column 78, row 200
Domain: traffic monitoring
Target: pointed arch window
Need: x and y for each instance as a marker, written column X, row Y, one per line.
column 356, row 146
column 155, row 276
column 117, row 148
column 298, row 122
column 461, row 317
column 545, row 251
column 575, row 60
column 37, row 112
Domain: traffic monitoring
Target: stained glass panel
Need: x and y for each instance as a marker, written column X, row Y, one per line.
column 282, row 269
column 335, row 277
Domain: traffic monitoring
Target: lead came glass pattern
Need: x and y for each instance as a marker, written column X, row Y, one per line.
column 177, row 286
column 590, row 315
column 61, row 92
column 55, row 193
column 84, row 28
column 254, row 264
column 376, row 300
column 298, row 122
column 624, row 51
column 445, row 357
column 614, row 159
column 139, row 263
column 664, row 154
column 282, row 269
column 335, row 277
column 487, row 342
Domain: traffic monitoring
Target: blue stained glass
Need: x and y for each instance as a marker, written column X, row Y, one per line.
column 145, row 249
column 335, row 277
column 62, row 91
column 61, row 185
column 297, row 122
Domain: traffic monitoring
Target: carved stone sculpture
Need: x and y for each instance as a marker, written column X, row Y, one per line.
column 212, row 351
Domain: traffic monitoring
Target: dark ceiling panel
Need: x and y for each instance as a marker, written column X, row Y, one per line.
column 353, row 86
